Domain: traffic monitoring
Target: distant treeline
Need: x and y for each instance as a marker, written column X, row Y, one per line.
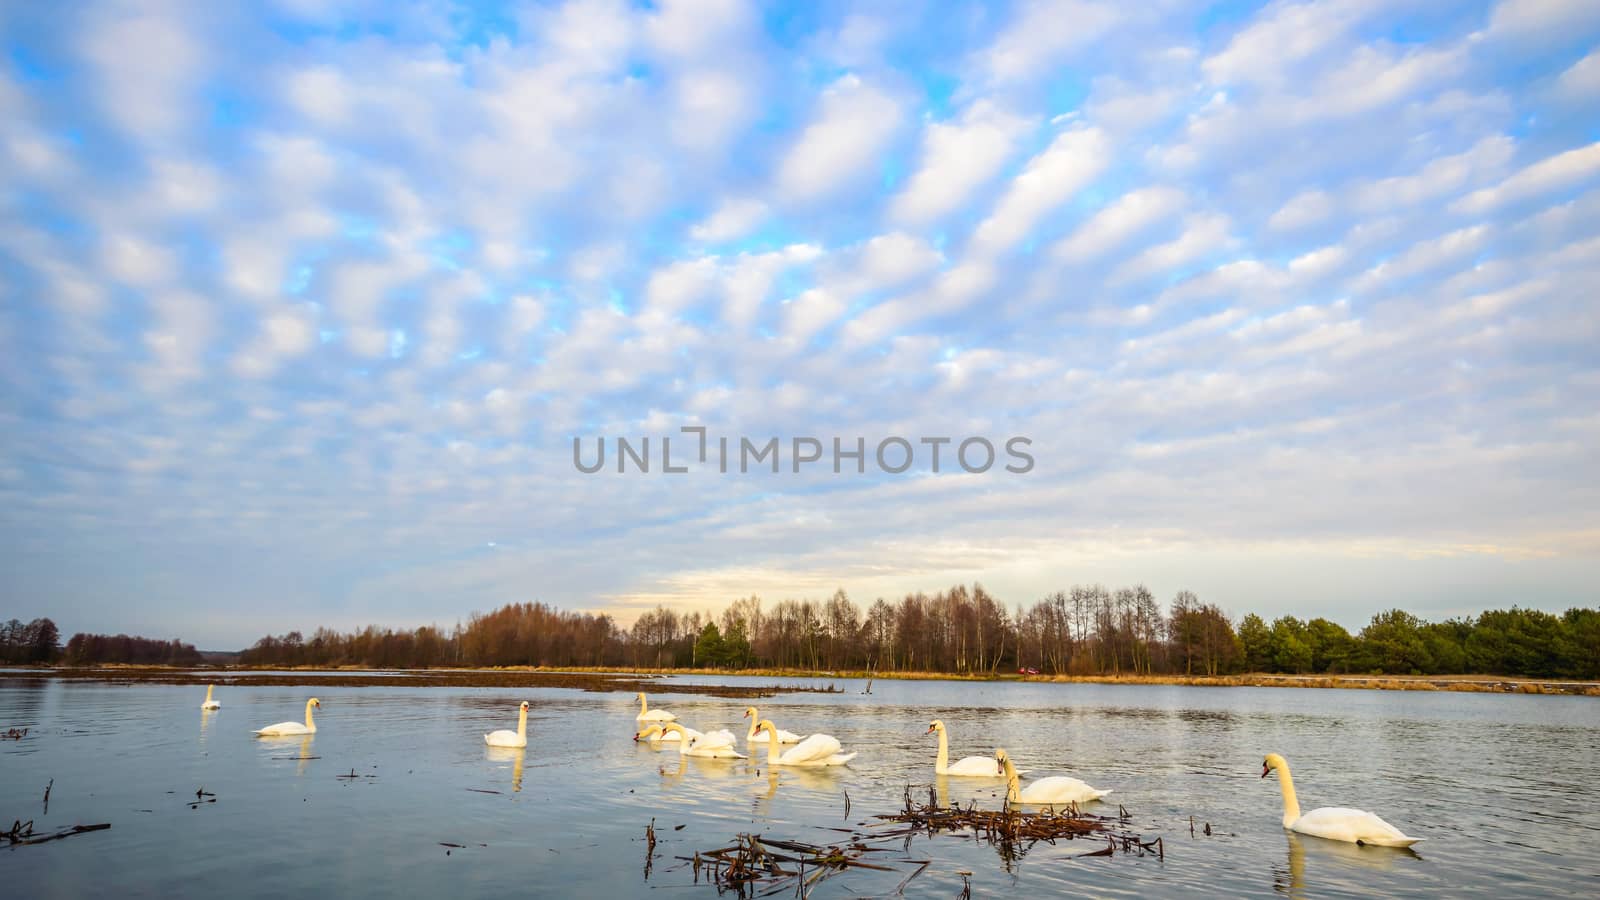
column 92, row 649
column 33, row 642
column 38, row 642
column 1087, row 630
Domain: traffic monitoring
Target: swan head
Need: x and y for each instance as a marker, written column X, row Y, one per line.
column 314, row 702
column 935, row 725
column 652, row 730
column 766, row 725
column 749, row 712
column 523, row 707
column 1271, row 763
column 1001, row 760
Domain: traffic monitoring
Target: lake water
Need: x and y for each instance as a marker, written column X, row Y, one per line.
column 1502, row 788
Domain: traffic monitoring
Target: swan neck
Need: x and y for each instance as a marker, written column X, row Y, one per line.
column 1013, row 783
column 311, row 723
column 209, row 687
column 941, row 763
column 1291, row 803
column 643, row 706
column 751, row 736
column 522, row 724
column 772, row 747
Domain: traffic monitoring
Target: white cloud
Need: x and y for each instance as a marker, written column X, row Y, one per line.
column 1440, row 176
column 1317, row 263
column 139, row 262
column 1530, row 20
column 733, row 219
column 1427, row 255
column 320, row 93
column 1581, row 81
column 1041, row 34
column 1123, row 219
column 180, row 334
column 1303, row 210
column 1282, row 35
column 1051, row 178
column 958, row 157
column 841, row 146
column 147, row 65
column 677, row 286
column 1556, row 172
column 1202, row 234
column 889, row 260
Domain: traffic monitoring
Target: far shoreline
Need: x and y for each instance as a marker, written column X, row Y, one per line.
column 1482, row 684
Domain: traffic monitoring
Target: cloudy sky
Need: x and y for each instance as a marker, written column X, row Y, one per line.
column 302, row 306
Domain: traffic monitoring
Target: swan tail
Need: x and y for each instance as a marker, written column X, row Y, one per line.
column 842, row 758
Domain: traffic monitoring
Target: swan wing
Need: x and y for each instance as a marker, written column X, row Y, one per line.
column 656, row 715
column 503, row 738
column 1060, row 789
column 975, row 767
column 1353, row 826
column 813, row 749
column 283, row 728
column 714, row 740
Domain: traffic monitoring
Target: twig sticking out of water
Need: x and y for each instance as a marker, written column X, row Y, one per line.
column 200, row 797
column 47, row 795
column 649, row 847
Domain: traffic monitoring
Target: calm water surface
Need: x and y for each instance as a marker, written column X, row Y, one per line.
column 1502, row 788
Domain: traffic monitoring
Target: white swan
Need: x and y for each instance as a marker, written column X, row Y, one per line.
column 816, row 750
column 761, row 737
column 1057, row 790
column 1352, row 826
column 504, row 738
column 715, row 745
column 283, row 728
column 646, row 714
column 210, row 703
column 971, row 766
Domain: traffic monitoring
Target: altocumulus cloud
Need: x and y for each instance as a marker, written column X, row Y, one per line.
column 302, row 306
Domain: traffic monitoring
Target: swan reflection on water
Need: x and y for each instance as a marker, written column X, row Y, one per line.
column 513, row 755
column 1328, row 857
column 278, row 748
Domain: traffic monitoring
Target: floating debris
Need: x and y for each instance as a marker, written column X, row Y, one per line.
column 14, row 734
column 200, row 797
column 1013, row 832
column 22, row 832
column 755, row 865
column 354, row 776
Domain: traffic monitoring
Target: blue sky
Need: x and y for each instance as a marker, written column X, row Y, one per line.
column 302, row 304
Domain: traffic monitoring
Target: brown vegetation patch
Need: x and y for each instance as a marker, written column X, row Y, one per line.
column 497, row 678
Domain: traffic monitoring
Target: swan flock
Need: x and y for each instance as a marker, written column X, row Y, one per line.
column 788, row 749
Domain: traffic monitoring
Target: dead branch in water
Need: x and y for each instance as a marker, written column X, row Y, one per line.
column 755, row 865
column 22, row 833
column 1013, row 832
